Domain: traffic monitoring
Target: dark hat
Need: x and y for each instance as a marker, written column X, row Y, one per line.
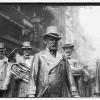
column 52, row 31
column 26, row 45
column 12, row 54
column 67, row 45
column 2, row 48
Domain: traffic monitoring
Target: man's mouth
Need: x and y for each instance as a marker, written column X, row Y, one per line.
column 68, row 53
column 53, row 45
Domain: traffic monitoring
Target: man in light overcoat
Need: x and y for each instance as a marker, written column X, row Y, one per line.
column 51, row 75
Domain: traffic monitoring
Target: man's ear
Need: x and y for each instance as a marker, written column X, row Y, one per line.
column 73, row 49
column 45, row 40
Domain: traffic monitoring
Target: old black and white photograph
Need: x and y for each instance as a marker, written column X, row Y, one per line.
column 49, row 50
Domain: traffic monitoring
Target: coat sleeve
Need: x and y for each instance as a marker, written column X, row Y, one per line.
column 96, row 86
column 73, row 88
column 7, row 77
column 33, row 75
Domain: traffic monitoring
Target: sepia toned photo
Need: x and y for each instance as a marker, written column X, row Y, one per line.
column 49, row 50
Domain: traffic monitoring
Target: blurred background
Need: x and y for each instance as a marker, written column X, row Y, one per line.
column 78, row 25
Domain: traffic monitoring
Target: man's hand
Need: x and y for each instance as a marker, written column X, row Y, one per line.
column 95, row 96
column 32, row 95
column 4, row 87
column 19, row 77
column 76, row 96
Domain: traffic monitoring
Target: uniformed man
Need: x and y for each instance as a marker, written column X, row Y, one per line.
column 26, row 60
column 50, row 74
column 76, row 67
column 3, row 69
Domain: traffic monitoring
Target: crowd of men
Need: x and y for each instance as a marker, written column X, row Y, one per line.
column 48, row 73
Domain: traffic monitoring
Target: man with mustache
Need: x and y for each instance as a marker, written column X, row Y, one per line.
column 81, row 73
column 18, row 87
column 25, row 59
column 50, row 73
column 76, row 67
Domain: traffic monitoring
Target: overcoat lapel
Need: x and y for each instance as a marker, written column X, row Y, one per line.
column 51, row 60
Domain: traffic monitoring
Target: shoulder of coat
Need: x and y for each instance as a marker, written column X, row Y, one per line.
column 60, row 53
column 31, row 56
column 74, row 60
column 42, row 52
column 5, row 59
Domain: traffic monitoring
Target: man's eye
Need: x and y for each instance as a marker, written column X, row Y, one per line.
column 51, row 39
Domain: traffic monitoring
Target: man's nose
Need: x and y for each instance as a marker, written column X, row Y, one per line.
column 54, row 41
column 68, row 51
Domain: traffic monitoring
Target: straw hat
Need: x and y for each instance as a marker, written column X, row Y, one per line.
column 52, row 31
column 26, row 45
column 2, row 48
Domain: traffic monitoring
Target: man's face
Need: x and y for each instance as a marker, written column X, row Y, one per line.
column 2, row 54
column 52, row 43
column 26, row 52
column 68, row 51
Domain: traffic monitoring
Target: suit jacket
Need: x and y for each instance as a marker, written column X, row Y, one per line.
column 47, row 79
column 4, row 70
column 16, row 87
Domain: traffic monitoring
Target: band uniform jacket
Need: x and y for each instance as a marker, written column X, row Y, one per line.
column 46, row 80
column 3, row 72
column 23, row 86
